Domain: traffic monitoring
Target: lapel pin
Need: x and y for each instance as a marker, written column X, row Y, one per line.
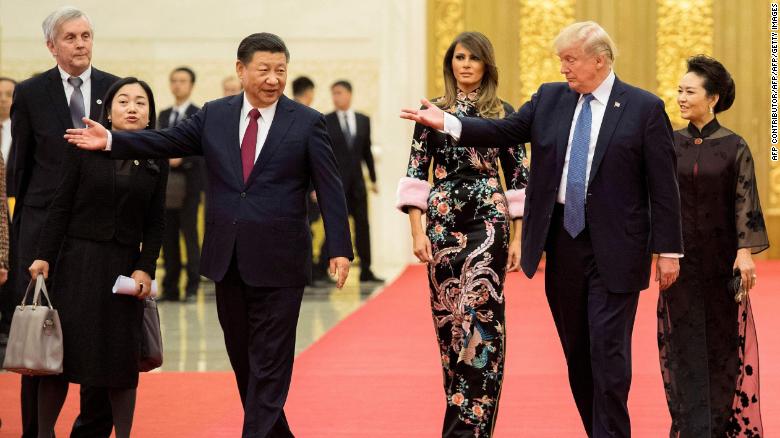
column 136, row 162
column 617, row 104
column 99, row 102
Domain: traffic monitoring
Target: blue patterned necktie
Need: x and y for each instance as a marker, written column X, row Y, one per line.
column 576, row 182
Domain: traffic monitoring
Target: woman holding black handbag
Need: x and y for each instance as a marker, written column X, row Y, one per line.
column 706, row 335
column 110, row 211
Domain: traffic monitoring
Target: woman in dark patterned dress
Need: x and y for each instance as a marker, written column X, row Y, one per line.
column 467, row 244
column 707, row 339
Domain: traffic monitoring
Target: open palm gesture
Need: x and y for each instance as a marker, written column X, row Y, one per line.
column 94, row 137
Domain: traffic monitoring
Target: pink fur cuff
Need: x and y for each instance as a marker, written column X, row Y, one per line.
column 516, row 200
column 412, row 192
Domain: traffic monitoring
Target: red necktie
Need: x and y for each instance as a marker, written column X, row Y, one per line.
column 249, row 144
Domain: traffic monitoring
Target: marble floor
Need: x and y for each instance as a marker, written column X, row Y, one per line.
column 192, row 337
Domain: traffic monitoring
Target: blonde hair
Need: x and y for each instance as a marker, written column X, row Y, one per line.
column 593, row 38
column 488, row 104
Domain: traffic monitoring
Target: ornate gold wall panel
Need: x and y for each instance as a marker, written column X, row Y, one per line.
column 538, row 24
column 685, row 28
column 445, row 21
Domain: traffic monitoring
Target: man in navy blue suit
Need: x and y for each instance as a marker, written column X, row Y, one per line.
column 602, row 198
column 261, row 151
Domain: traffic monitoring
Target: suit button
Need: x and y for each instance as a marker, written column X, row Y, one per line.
column 243, row 194
column 235, row 222
column 590, row 194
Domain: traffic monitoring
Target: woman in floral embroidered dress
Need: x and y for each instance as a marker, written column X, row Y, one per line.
column 467, row 239
column 707, row 339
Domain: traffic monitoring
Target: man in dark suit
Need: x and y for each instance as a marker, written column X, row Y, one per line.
column 186, row 182
column 262, row 150
column 351, row 135
column 44, row 106
column 601, row 200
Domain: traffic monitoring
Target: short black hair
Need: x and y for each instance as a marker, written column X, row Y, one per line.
column 260, row 42
column 6, row 78
column 717, row 80
column 108, row 100
column 302, row 84
column 185, row 70
column 342, row 83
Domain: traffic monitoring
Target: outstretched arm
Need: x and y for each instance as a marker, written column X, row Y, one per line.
column 181, row 140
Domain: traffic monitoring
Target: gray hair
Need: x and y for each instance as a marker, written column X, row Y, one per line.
column 594, row 39
column 52, row 23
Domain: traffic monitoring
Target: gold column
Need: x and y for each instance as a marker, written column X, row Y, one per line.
column 538, row 24
column 685, row 28
column 445, row 21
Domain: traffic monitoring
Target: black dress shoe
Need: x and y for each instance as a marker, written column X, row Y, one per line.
column 368, row 276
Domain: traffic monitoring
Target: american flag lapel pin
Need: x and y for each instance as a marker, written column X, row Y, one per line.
column 617, row 104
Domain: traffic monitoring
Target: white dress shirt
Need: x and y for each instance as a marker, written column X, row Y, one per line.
column 86, row 87
column 263, row 123
column 351, row 121
column 5, row 146
column 598, row 106
column 181, row 110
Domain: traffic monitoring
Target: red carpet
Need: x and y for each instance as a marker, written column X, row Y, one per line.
column 377, row 374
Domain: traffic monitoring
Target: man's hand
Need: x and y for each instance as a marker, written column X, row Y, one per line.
column 143, row 284
column 513, row 258
column 430, row 115
column 339, row 269
column 3, row 276
column 94, row 137
column 666, row 271
column 39, row 267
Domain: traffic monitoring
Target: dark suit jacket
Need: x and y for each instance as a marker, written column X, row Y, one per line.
column 633, row 203
column 351, row 159
column 87, row 206
column 40, row 116
column 262, row 222
column 194, row 168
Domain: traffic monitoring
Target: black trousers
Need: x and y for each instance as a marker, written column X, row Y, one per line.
column 95, row 419
column 259, row 325
column 184, row 221
column 595, row 328
column 357, row 206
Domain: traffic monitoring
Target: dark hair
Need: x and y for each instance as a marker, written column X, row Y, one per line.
column 5, row 78
column 717, row 80
column 185, row 70
column 108, row 101
column 260, row 42
column 342, row 83
column 302, row 84
column 488, row 104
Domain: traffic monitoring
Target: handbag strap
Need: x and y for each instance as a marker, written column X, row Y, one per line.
column 40, row 286
column 33, row 282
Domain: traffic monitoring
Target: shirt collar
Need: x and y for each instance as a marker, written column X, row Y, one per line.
column 602, row 92
column 348, row 112
column 84, row 76
column 267, row 113
column 706, row 131
column 182, row 108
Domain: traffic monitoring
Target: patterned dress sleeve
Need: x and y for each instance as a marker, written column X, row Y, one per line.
column 514, row 162
column 751, row 229
column 413, row 189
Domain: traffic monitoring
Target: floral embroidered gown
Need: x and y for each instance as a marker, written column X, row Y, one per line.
column 468, row 223
column 707, row 341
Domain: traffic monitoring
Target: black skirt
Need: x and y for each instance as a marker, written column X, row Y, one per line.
column 101, row 330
